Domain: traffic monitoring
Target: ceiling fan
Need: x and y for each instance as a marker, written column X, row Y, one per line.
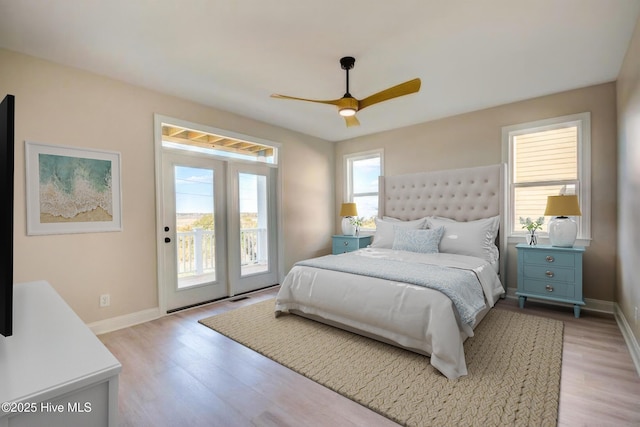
column 348, row 106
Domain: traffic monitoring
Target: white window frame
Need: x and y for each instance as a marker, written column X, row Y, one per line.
column 583, row 123
column 348, row 174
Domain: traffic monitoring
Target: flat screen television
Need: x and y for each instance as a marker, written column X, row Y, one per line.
column 6, row 214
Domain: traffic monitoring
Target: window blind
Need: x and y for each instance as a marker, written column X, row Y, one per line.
column 550, row 155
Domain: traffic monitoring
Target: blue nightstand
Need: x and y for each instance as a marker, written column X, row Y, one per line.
column 550, row 273
column 342, row 244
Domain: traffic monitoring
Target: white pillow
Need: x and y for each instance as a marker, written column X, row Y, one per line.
column 473, row 238
column 397, row 220
column 392, row 219
column 422, row 241
column 383, row 238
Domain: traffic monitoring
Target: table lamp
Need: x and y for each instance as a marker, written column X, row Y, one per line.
column 348, row 210
column 562, row 229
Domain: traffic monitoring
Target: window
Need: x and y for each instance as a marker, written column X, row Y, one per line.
column 200, row 139
column 361, row 184
column 546, row 158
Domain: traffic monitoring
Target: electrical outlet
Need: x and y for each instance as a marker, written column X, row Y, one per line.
column 105, row 300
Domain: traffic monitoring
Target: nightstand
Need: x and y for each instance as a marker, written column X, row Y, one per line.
column 550, row 273
column 342, row 244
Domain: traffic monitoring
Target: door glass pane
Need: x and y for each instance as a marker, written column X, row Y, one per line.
column 254, row 253
column 195, row 231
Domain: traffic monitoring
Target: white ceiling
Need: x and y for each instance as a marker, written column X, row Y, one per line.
column 233, row 54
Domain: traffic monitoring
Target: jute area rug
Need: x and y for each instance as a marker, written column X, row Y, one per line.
column 514, row 363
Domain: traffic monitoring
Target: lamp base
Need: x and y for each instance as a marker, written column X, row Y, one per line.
column 563, row 232
column 348, row 229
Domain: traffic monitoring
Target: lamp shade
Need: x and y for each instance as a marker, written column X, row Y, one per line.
column 348, row 209
column 562, row 206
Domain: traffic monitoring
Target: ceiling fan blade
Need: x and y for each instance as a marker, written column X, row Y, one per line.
column 402, row 89
column 331, row 102
column 352, row 121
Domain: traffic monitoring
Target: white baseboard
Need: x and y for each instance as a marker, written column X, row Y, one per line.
column 115, row 323
column 120, row 322
column 629, row 338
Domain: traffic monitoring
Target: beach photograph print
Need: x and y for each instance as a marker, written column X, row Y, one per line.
column 72, row 190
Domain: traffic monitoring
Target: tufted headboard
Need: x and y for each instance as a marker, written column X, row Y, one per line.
column 461, row 194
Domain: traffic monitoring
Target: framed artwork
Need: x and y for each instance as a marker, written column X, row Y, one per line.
column 72, row 190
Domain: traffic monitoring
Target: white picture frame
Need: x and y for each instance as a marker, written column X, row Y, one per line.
column 72, row 190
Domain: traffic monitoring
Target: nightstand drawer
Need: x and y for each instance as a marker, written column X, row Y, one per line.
column 549, row 258
column 546, row 288
column 549, row 273
column 342, row 244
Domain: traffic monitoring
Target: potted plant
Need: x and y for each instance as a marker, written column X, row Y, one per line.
column 356, row 221
column 531, row 227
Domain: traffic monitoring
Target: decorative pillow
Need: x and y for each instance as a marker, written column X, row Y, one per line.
column 474, row 238
column 423, row 241
column 383, row 238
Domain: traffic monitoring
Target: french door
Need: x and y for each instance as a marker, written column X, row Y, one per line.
column 252, row 225
column 218, row 233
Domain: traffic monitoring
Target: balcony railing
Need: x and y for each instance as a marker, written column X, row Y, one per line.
column 197, row 250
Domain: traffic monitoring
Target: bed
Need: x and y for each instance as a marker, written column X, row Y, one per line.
column 430, row 275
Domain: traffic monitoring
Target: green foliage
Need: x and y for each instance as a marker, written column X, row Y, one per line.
column 207, row 222
column 356, row 220
column 248, row 220
column 369, row 223
column 530, row 225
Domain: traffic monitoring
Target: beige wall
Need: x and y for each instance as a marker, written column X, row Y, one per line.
column 628, row 287
column 474, row 139
column 65, row 106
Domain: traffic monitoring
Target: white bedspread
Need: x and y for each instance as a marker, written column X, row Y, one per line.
column 414, row 317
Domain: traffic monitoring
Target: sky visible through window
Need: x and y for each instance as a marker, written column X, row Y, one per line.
column 194, row 190
column 365, row 180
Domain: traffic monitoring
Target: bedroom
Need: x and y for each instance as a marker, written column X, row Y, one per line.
column 57, row 104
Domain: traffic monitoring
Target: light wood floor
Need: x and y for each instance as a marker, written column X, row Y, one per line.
column 178, row 372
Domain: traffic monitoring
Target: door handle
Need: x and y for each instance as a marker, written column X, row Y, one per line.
column 167, row 240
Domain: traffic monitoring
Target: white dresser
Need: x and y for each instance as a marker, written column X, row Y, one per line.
column 53, row 370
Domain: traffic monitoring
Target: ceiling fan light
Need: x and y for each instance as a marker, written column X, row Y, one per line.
column 347, row 112
column 347, row 106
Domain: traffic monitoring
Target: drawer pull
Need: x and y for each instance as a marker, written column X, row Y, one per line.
column 549, row 288
column 549, row 258
column 346, row 243
column 549, row 273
